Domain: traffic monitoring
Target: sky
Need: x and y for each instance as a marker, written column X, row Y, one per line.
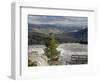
column 58, row 20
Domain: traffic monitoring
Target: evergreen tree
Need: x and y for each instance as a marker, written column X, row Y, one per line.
column 51, row 50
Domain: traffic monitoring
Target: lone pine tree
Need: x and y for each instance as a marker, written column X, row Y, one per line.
column 51, row 50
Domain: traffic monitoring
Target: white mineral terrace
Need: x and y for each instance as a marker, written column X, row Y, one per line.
column 66, row 50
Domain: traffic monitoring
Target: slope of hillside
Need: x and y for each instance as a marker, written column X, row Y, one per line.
column 80, row 35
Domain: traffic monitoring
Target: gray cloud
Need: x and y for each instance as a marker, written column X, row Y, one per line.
column 58, row 20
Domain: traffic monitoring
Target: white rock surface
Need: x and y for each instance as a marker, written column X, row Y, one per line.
column 66, row 50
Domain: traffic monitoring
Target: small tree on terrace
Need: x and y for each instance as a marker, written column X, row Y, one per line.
column 51, row 50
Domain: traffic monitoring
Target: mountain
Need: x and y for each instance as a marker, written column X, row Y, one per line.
column 48, row 28
column 79, row 36
column 43, row 28
column 36, row 38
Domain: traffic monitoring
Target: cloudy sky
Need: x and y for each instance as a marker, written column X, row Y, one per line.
column 58, row 20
